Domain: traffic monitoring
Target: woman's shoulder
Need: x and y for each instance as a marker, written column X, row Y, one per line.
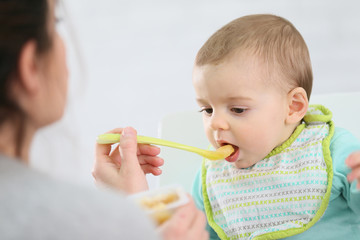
column 44, row 206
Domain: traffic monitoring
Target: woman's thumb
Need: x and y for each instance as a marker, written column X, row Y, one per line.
column 128, row 146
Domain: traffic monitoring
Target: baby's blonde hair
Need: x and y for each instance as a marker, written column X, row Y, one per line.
column 270, row 37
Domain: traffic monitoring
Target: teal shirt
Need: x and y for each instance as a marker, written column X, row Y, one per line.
column 342, row 216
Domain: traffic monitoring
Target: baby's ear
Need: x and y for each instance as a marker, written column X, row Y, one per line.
column 297, row 105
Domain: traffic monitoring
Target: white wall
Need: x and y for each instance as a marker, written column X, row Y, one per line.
column 136, row 61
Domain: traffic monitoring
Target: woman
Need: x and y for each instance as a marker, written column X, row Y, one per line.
column 33, row 83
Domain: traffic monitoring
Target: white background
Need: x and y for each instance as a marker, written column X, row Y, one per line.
column 131, row 63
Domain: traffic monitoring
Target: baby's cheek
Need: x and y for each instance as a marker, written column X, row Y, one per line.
column 210, row 136
column 260, row 145
column 254, row 136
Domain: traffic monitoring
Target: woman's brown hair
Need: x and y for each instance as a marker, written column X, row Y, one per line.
column 20, row 22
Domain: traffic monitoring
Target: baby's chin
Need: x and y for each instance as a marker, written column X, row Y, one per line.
column 243, row 164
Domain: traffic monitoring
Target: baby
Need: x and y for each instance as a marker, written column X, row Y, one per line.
column 287, row 177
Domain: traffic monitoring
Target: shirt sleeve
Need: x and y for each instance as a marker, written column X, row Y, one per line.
column 342, row 145
column 199, row 202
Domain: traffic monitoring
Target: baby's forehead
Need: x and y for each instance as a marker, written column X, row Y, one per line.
column 243, row 66
column 241, row 60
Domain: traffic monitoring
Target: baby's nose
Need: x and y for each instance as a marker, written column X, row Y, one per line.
column 219, row 122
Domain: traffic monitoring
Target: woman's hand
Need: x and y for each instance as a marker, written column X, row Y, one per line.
column 353, row 161
column 125, row 167
column 187, row 223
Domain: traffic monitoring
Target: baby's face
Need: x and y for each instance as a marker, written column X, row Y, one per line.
column 240, row 109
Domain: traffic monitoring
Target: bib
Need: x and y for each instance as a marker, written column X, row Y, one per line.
column 280, row 196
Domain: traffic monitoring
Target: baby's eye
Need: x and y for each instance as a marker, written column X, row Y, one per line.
column 238, row 110
column 208, row 111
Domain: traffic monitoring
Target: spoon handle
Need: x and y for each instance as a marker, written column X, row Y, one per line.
column 109, row 138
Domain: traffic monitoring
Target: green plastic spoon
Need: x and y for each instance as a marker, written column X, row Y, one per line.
column 220, row 153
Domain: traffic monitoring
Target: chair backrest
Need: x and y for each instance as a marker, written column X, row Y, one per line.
column 186, row 127
column 345, row 108
column 181, row 166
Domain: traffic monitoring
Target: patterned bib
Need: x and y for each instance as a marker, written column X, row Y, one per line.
column 280, row 196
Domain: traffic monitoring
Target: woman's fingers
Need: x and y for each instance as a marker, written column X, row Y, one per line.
column 132, row 176
column 184, row 216
column 147, row 156
column 149, row 164
column 128, row 149
column 198, row 226
column 119, row 167
column 187, row 223
column 353, row 160
column 146, row 149
column 149, row 169
column 354, row 174
column 115, row 155
column 105, row 149
column 155, row 161
column 102, row 149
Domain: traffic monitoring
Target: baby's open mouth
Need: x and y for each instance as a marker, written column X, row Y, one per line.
column 234, row 155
